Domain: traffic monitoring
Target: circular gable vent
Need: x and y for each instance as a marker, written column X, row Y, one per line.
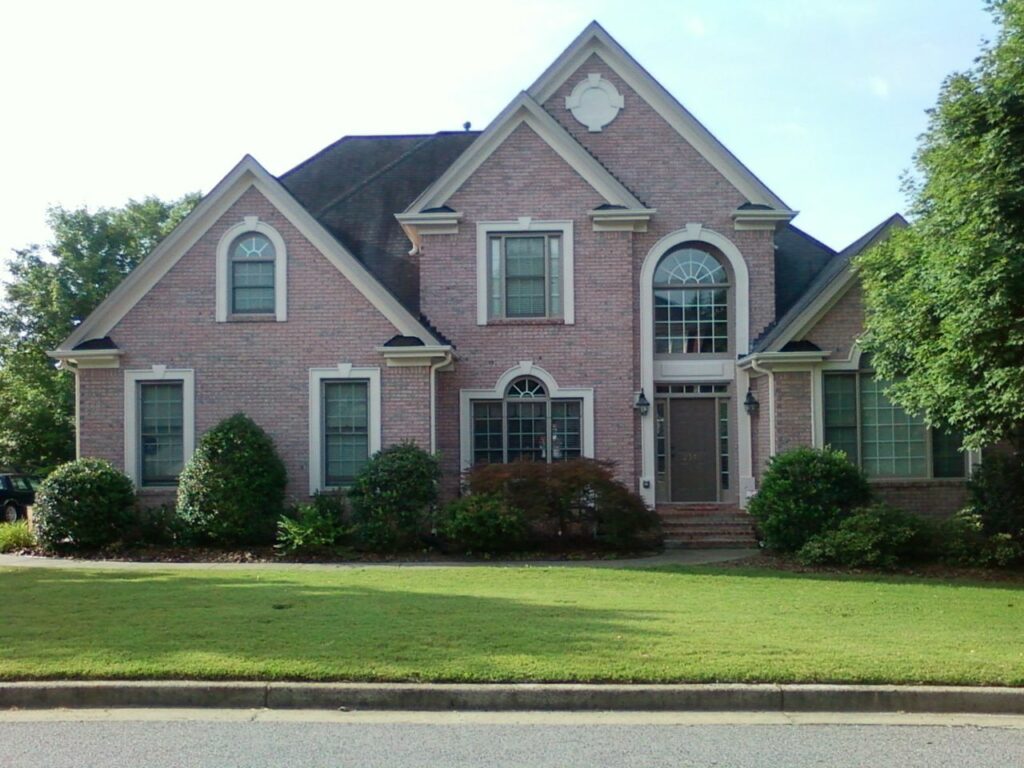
column 594, row 102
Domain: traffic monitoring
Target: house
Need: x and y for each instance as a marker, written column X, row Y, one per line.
column 592, row 275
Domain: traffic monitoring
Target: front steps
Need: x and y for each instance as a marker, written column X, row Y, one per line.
column 706, row 526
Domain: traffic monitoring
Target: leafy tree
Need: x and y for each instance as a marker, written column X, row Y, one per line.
column 51, row 291
column 945, row 297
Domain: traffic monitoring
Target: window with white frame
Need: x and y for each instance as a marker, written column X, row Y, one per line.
column 879, row 436
column 525, row 275
column 526, row 424
column 252, row 269
column 691, row 303
column 344, row 423
column 159, row 424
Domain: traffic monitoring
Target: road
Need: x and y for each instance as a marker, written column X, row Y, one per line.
column 225, row 739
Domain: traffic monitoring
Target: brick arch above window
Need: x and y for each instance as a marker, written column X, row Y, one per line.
column 223, row 276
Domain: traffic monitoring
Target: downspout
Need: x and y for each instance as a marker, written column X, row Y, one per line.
column 771, row 402
column 433, row 398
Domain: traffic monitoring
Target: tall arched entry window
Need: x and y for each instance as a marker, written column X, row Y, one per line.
column 691, row 303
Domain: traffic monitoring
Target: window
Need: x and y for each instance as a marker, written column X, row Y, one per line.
column 526, row 425
column 691, row 309
column 346, row 430
column 161, row 431
column 882, row 438
column 525, row 275
column 252, row 274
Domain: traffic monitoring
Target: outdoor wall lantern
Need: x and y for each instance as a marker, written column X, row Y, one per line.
column 750, row 403
column 642, row 405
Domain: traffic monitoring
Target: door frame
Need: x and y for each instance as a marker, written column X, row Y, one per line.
column 722, row 397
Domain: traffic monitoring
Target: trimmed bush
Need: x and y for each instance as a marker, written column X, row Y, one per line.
column 878, row 536
column 482, row 523
column 158, row 526
column 232, row 489
column 313, row 528
column 16, row 536
column 805, row 492
column 571, row 500
column 997, row 495
column 393, row 497
column 961, row 541
column 84, row 504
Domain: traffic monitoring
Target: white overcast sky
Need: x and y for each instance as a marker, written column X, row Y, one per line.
column 105, row 101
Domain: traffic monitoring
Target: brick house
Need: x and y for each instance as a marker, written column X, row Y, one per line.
column 592, row 275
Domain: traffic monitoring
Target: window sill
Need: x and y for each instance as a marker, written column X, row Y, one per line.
column 912, row 481
column 499, row 321
column 262, row 317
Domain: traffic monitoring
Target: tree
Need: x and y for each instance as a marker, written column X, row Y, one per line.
column 945, row 297
column 51, row 291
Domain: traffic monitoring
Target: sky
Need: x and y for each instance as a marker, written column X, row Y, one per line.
column 105, row 101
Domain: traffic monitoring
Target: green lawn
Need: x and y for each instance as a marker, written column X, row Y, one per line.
column 508, row 624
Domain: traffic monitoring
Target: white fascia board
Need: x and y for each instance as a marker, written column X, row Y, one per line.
column 621, row 219
column 524, row 109
column 414, row 356
column 595, row 40
column 248, row 173
column 776, row 359
column 761, row 218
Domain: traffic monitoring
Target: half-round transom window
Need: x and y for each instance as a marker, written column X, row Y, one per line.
column 526, row 388
column 691, row 303
column 252, row 274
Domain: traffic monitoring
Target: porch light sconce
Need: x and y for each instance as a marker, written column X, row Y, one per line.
column 642, row 405
column 750, row 403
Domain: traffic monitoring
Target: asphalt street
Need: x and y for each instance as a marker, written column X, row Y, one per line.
column 224, row 739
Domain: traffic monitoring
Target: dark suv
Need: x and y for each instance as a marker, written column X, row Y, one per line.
column 17, row 494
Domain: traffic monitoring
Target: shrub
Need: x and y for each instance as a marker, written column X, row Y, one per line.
column 961, row 540
column 576, row 499
column 314, row 527
column 805, row 492
column 482, row 523
column 393, row 496
column 158, row 526
column 84, row 504
column 878, row 536
column 997, row 494
column 232, row 489
column 16, row 536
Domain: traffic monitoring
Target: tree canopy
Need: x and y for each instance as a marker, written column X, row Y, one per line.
column 51, row 290
column 945, row 297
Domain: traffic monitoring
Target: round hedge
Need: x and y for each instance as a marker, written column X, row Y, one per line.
column 804, row 492
column 84, row 504
column 232, row 489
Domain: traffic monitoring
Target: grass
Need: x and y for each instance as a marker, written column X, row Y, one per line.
column 489, row 624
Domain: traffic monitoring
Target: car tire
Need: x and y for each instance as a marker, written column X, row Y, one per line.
column 11, row 513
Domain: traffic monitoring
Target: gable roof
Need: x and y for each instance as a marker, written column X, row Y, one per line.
column 595, row 40
column 355, row 186
column 799, row 258
column 248, row 173
column 525, row 110
column 827, row 288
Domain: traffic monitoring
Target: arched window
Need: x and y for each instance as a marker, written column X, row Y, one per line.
column 691, row 303
column 526, row 424
column 251, row 274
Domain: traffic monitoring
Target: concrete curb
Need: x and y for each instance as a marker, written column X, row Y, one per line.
column 512, row 697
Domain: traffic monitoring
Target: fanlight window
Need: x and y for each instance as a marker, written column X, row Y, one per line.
column 252, row 274
column 691, row 303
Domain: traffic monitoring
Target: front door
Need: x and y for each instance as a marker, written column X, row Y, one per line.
column 694, row 449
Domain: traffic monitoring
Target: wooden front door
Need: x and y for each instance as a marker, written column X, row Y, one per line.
column 693, row 457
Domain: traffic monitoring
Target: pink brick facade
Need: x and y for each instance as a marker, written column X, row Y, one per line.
column 263, row 368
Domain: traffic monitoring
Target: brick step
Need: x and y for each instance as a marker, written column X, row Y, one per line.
column 739, row 529
column 717, row 543
column 706, row 519
column 710, row 512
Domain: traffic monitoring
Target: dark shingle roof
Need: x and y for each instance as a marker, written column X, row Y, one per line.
column 104, row 343
column 355, row 187
column 828, row 273
column 798, row 258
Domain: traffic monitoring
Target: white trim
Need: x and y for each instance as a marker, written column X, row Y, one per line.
column 131, row 410
column 340, row 372
column 593, row 115
column 595, row 40
column 485, row 229
column 247, row 174
column 89, row 358
column 417, row 225
column 524, row 368
column 524, row 110
column 406, row 357
column 621, row 219
column 252, row 224
column 740, row 338
column 760, row 218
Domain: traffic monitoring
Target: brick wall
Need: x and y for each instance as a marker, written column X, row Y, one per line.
column 793, row 422
column 839, row 328
column 261, row 368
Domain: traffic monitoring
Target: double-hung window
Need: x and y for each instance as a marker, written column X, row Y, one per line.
column 161, row 420
column 525, row 275
column 526, row 424
column 880, row 437
column 346, row 430
column 252, row 268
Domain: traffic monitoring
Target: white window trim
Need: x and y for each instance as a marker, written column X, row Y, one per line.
column 317, row 376
column 524, row 368
column 131, row 415
column 252, row 224
column 485, row 229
